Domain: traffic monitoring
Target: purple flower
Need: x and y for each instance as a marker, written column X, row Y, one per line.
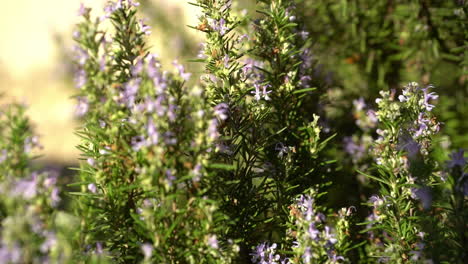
column 265, row 254
column 30, row 143
column 213, row 241
column 10, row 254
column 357, row 151
column 91, row 161
column 110, row 8
column 221, row 111
column 170, row 177
column 307, row 256
column 282, row 149
column 259, row 94
column 92, row 188
column 80, row 78
column 306, row 203
column 82, row 10
column 133, row 3
column 3, row 155
column 137, row 68
column 181, row 69
column 226, row 61
column 313, row 231
column 153, row 135
column 376, row 201
column 144, row 28
column 130, row 91
column 457, row 159
column 219, row 26
column 372, row 116
column 359, row 104
column 329, row 236
column 138, row 142
column 147, row 250
column 50, row 241
column 81, row 55
column 82, row 107
column 427, row 97
column 54, row 196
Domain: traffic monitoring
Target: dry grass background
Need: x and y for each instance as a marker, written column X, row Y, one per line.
column 35, row 37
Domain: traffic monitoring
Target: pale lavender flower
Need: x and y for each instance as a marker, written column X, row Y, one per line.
column 226, row 61
column 221, row 111
column 137, row 68
column 170, row 177
column 427, row 97
column 91, row 162
column 282, row 149
column 80, row 78
column 147, row 250
column 305, row 80
column 54, row 196
column 306, row 203
column 457, row 159
column 154, row 66
column 81, row 55
column 99, row 249
column 313, row 231
column 92, row 188
column 201, row 52
column 31, row 143
column 27, row 188
column 265, row 254
column 133, row 3
column 171, row 112
column 197, row 172
column 265, row 92
column 181, row 69
column 138, row 142
column 82, row 10
column 3, row 155
column 335, row 258
column 76, row 34
column 102, row 63
column 359, row 104
column 422, row 124
column 213, row 129
column 372, row 116
column 329, row 236
column 10, row 254
column 144, row 28
column 128, row 96
column 213, row 242
column 304, row 34
column 257, row 92
column 153, row 135
column 357, row 151
column 219, row 26
column 110, row 8
column 307, row 256
column 376, row 201
column 82, row 107
column 49, row 243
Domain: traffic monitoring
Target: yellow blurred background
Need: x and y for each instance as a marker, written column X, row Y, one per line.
column 35, row 38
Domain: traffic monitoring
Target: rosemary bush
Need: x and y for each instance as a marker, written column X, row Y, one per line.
column 260, row 159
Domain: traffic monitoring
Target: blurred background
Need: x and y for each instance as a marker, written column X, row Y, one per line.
column 35, row 64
